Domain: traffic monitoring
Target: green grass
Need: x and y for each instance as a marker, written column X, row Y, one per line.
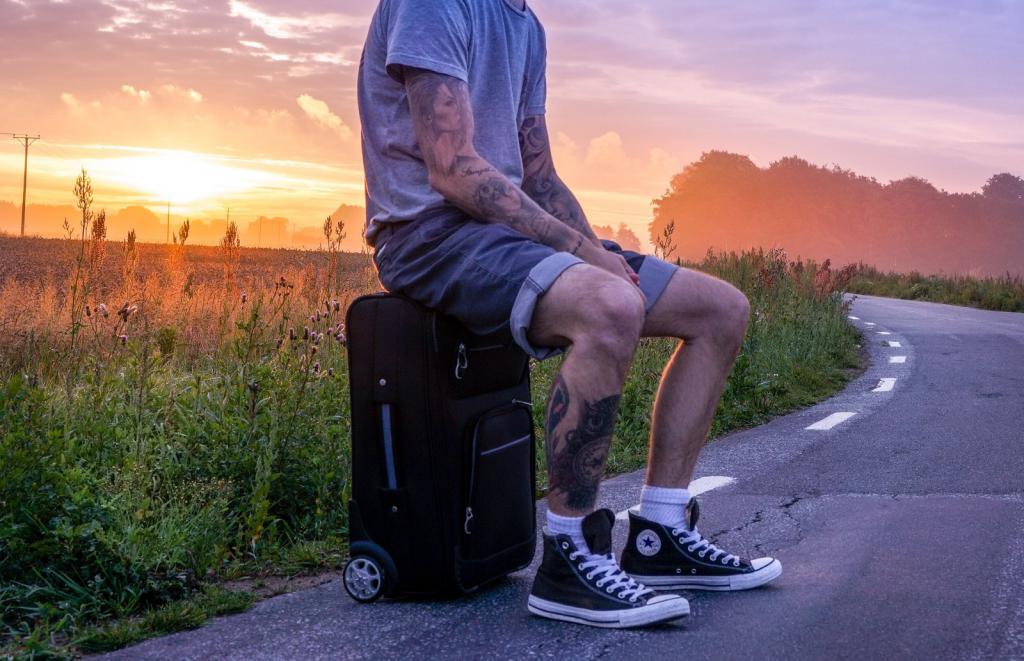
column 141, row 472
column 1004, row 293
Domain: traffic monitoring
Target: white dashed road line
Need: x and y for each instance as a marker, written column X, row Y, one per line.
column 897, row 359
column 884, row 333
column 893, row 343
column 869, row 323
column 885, row 385
column 698, row 486
column 831, row 421
column 854, row 318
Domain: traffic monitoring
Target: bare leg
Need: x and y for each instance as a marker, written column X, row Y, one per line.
column 710, row 316
column 601, row 316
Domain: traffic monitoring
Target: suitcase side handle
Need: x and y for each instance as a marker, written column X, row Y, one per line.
column 389, row 446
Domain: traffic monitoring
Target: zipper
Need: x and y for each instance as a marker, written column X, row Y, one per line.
column 461, row 361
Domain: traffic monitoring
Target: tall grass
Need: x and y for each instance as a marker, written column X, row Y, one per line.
column 165, row 431
column 1004, row 293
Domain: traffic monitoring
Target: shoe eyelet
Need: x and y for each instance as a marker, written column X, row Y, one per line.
column 580, row 566
column 565, row 545
column 702, row 553
column 691, row 549
column 608, row 589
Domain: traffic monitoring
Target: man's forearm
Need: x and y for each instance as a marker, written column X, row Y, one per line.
column 542, row 183
column 483, row 192
column 443, row 121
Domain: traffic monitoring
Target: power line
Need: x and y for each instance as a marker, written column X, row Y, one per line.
column 26, row 140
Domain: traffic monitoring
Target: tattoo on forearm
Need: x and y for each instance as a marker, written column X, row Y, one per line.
column 576, row 458
column 443, row 119
column 541, row 182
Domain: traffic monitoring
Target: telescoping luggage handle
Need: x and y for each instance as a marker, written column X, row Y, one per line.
column 389, row 448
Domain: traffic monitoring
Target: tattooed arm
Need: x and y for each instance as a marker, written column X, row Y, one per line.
column 443, row 120
column 542, row 183
column 442, row 116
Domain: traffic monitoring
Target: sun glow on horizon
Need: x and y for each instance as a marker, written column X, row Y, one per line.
column 180, row 177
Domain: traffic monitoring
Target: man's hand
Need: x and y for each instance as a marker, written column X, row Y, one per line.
column 595, row 254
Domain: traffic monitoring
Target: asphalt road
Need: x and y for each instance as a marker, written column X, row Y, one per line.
column 901, row 531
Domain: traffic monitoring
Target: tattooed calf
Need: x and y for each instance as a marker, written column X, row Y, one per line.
column 576, row 460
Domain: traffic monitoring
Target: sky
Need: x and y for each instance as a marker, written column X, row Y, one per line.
column 249, row 105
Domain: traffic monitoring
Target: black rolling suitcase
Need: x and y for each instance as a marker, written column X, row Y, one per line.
column 442, row 453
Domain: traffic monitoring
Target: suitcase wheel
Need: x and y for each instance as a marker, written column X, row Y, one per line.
column 364, row 578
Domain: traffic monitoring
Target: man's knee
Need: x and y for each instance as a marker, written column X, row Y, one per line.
column 593, row 311
column 612, row 318
column 732, row 319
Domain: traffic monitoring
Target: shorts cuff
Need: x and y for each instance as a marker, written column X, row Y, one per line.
column 654, row 276
column 537, row 282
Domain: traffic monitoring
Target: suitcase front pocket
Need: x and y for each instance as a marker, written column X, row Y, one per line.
column 499, row 511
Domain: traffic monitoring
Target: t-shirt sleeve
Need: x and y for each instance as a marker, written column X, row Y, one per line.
column 428, row 34
column 536, row 77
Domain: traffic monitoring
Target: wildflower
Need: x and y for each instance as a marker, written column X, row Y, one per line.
column 88, row 310
column 305, row 332
column 102, row 307
column 337, row 306
column 341, row 338
column 313, row 349
column 317, row 337
column 245, row 297
column 330, row 371
column 291, row 334
column 123, row 312
column 124, row 340
column 280, row 341
column 316, row 367
column 132, row 310
column 330, row 330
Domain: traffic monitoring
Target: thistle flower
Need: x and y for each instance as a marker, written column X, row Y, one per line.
column 330, row 330
column 291, row 334
column 316, row 337
column 316, row 367
column 305, row 332
column 88, row 310
column 280, row 341
column 342, row 339
column 337, row 306
column 124, row 340
column 102, row 307
column 245, row 297
column 313, row 349
column 330, row 372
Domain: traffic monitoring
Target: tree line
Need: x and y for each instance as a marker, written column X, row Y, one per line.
column 724, row 201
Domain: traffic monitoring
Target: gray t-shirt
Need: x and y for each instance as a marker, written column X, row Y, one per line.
column 492, row 45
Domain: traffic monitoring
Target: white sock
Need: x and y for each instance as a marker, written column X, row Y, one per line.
column 568, row 525
column 664, row 506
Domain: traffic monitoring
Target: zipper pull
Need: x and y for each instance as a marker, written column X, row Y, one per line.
column 461, row 361
column 469, row 516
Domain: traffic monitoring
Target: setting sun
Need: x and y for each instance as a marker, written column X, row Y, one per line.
column 180, row 177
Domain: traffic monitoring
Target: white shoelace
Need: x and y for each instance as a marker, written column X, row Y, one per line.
column 611, row 575
column 697, row 543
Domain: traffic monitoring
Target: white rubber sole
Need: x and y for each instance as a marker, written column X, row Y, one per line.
column 664, row 609
column 754, row 579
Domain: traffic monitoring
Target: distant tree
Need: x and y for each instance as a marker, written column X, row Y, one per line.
column 1004, row 187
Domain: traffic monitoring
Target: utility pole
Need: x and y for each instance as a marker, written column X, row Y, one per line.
column 26, row 140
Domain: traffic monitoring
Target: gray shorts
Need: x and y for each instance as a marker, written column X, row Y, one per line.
column 487, row 275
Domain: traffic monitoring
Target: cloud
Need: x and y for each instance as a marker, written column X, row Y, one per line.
column 320, row 113
column 142, row 95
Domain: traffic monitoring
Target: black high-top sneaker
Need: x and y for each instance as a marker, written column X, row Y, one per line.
column 590, row 588
column 681, row 559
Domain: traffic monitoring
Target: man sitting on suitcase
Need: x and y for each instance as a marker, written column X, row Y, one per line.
column 467, row 215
